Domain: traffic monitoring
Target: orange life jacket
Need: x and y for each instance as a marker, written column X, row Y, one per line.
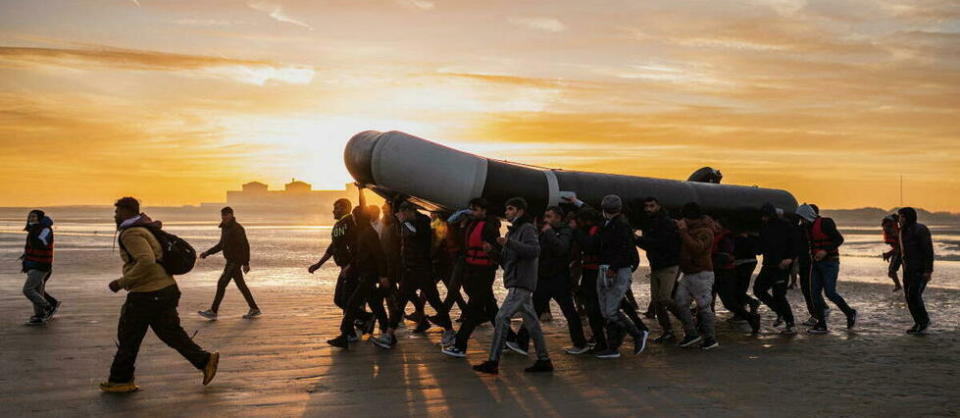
column 476, row 256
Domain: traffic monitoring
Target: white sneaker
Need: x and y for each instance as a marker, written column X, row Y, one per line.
column 516, row 348
column 453, row 352
column 576, row 351
column 211, row 315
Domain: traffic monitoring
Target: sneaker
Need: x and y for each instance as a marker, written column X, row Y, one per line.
column 513, row 346
column 252, row 314
column 690, row 340
column 113, row 387
column 211, row 315
column 341, row 341
column 818, row 329
column 608, row 353
column 210, row 370
column 641, row 343
column 385, row 341
column 709, row 344
column 665, row 337
column 449, row 338
column 896, row 289
column 35, row 321
column 852, row 320
column 453, row 351
column 54, row 309
column 913, row 329
column 576, row 351
column 540, row 366
column 810, row 322
column 353, row 337
column 922, row 329
column 754, row 321
column 489, row 367
column 789, row 330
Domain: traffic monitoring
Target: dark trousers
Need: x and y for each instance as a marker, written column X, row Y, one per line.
column 588, row 285
column 422, row 280
column 558, row 289
column 728, row 287
column 744, row 275
column 156, row 310
column 806, row 270
column 913, row 287
column 774, row 278
column 454, row 282
column 234, row 272
column 481, row 303
column 823, row 282
column 346, row 284
column 364, row 293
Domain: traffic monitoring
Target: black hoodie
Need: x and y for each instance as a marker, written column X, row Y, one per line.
column 233, row 243
column 916, row 245
column 661, row 241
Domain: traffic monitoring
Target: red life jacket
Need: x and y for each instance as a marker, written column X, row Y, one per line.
column 38, row 253
column 476, row 256
column 591, row 261
column 821, row 241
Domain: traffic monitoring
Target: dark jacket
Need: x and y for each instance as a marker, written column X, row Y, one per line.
column 416, row 238
column 778, row 241
column 617, row 248
column 696, row 245
column 390, row 242
column 555, row 252
column 746, row 248
column 369, row 260
column 342, row 240
column 233, row 243
column 917, row 246
column 723, row 250
column 589, row 247
column 519, row 256
column 38, row 250
column 803, row 245
column 661, row 241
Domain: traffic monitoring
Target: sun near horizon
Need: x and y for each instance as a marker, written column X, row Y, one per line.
column 177, row 102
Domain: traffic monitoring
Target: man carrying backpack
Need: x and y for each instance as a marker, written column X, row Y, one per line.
column 37, row 261
column 236, row 250
column 152, row 298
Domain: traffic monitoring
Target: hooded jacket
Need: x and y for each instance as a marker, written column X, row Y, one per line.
column 916, row 245
column 555, row 255
column 696, row 244
column 661, row 241
column 141, row 250
column 38, row 250
column 617, row 247
column 520, row 255
column 416, row 239
column 778, row 241
column 233, row 243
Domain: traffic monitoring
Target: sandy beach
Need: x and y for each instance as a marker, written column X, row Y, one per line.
column 280, row 365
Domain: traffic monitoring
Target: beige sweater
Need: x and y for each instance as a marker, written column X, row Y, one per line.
column 141, row 272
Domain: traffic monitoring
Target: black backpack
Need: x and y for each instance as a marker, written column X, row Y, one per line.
column 178, row 257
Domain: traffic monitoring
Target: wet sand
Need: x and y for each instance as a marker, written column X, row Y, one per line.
column 280, row 365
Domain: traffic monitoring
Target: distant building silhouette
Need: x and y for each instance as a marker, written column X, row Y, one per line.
column 295, row 195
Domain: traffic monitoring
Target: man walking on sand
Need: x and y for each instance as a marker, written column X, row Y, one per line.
column 37, row 263
column 236, row 250
column 696, row 264
column 152, row 298
column 520, row 258
column 917, row 250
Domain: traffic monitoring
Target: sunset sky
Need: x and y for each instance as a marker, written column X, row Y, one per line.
column 178, row 101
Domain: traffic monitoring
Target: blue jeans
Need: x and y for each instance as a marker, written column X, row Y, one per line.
column 823, row 280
